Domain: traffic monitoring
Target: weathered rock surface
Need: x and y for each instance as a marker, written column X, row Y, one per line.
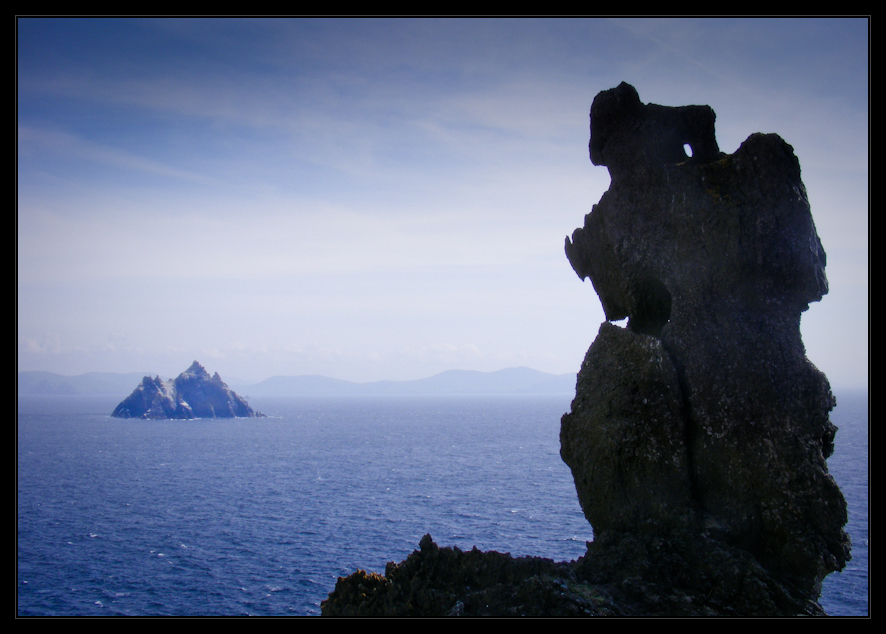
column 192, row 394
column 703, row 414
column 699, row 432
column 636, row 577
column 436, row 581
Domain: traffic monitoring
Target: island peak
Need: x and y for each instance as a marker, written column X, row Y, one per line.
column 192, row 394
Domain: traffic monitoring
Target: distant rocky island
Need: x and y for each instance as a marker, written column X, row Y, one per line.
column 192, row 394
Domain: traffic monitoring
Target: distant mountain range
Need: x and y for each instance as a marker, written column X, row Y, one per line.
column 451, row 382
column 91, row 383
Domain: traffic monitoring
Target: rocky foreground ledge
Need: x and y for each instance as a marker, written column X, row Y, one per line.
column 678, row 575
column 699, row 432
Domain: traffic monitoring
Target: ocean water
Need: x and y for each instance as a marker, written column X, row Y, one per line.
column 260, row 516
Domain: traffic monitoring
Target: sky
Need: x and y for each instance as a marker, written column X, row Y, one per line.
column 373, row 199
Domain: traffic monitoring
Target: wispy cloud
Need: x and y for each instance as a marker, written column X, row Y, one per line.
column 373, row 198
column 53, row 145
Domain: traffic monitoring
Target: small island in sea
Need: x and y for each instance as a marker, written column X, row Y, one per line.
column 192, row 394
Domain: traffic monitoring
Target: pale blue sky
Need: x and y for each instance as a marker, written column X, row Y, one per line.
column 383, row 199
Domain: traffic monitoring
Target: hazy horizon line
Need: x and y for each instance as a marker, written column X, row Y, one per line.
column 310, row 374
column 246, row 383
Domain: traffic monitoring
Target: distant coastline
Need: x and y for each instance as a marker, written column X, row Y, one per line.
column 514, row 381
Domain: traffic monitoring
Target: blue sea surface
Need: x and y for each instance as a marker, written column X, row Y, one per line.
column 847, row 593
column 261, row 516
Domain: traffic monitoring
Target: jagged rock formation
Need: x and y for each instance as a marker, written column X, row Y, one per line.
column 436, row 581
column 699, row 432
column 193, row 394
column 703, row 414
column 637, row 577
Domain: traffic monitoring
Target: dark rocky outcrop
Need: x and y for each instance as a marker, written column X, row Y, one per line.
column 636, row 577
column 192, row 394
column 699, row 432
column 703, row 414
column 436, row 581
